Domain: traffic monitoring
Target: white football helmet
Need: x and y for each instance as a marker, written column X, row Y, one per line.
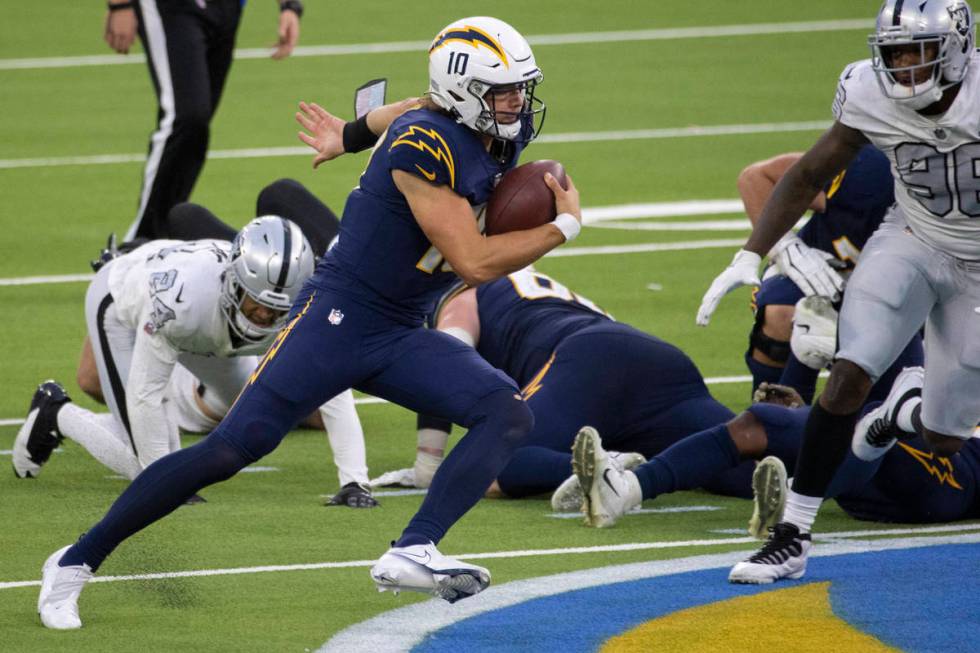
column 270, row 261
column 814, row 338
column 474, row 56
column 946, row 25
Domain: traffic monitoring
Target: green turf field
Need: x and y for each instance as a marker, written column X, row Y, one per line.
column 56, row 215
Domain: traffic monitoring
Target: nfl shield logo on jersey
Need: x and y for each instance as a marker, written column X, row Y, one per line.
column 335, row 317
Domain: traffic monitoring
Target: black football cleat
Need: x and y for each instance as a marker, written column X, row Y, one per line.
column 353, row 495
column 39, row 435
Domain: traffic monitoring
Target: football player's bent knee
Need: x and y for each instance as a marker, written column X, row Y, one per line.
column 507, row 416
column 778, row 321
column 748, row 434
column 769, row 339
column 223, row 459
column 943, row 445
column 847, row 388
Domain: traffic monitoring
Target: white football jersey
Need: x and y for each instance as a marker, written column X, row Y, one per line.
column 171, row 289
column 935, row 160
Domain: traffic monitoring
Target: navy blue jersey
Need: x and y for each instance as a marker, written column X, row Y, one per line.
column 525, row 315
column 857, row 200
column 383, row 258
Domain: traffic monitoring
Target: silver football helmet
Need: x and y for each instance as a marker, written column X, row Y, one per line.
column 476, row 56
column 270, row 261
column 943, row 32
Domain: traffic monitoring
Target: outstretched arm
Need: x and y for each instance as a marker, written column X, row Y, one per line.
column 324, row 132
column 790, row 198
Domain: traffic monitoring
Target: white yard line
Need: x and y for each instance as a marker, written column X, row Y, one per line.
column 17, row 421
column 570, row 137
column 523, row 553
column 393, row 47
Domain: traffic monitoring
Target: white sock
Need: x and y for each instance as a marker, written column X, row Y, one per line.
column 801, row 510
column 634, row 493
column 904, row 418
column 102, row 436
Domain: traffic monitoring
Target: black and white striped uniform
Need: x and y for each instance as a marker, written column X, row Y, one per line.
column 189, row 46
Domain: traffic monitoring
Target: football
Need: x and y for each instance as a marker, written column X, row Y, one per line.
column 522, row 200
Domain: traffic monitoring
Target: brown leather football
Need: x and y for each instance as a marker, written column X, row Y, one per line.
column 522, row 200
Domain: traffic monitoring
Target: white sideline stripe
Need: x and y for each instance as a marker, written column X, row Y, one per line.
column 699, row 225
column 579, row 38
column 56, row 278
column 590, row 216
column 642, row 511
column 570, row 137
column 595, row 214
column 644, row 247
column 523, row 553
column 711, row 380
column 403, row 628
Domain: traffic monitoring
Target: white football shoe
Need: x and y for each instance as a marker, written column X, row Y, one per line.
column 878, row 431
column 568, row 497
column 57, row 604
column 421, row 568
column 609, row 491
column 784, row 555
column 768, row 496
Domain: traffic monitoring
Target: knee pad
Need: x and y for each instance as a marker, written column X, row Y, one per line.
column 777, row 350
column 224, row 460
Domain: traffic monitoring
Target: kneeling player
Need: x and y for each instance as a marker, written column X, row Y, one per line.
column 207, row 307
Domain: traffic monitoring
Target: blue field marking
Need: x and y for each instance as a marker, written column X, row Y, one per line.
column 912, row 593
column 913, row 599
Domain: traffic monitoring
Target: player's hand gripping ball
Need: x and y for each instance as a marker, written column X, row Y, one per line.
column 522, row 200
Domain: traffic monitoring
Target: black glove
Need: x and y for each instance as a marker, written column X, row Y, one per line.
column 353, row 495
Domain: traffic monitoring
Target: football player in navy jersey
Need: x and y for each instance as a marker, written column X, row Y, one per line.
column 408, row 231
column 899, row 482
column 557, row 345
column 810, row 264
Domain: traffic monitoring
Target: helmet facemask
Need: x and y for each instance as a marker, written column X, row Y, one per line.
column 233, row 297
column 517, row 126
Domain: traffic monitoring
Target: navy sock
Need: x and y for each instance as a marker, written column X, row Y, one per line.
column 159, row 490
column 762, row 372
column 799, row 376
column 826, row 440
column 495, row 432
column 534, row 470
column 688, row 464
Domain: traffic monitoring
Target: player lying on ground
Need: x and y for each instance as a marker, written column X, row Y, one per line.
column 409, row 230
column 175, row 330
column 845, row 214
column 916, row 101
column 876, row 482
column 558, row 346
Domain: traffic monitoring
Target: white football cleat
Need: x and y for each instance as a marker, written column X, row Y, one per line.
column 421, row 568
column 609, row 491
column 395, row 478
column 768, row 496
column 878, row 431
column 784, row 555
column 568, row 497
column 57, row 604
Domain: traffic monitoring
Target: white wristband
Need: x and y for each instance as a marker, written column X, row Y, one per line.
column 568, row 225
